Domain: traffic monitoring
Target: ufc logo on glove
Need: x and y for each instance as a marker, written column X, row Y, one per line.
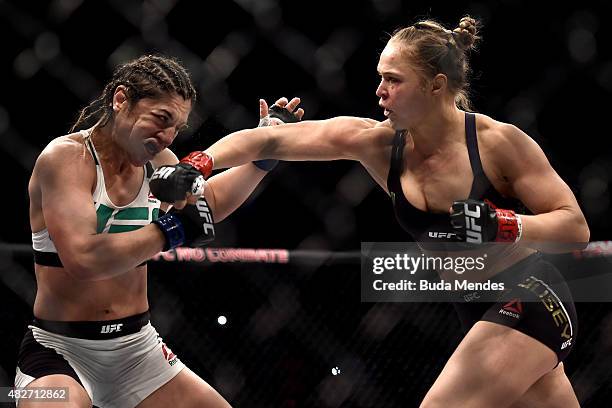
column 473, row 224
column 476, row 222
column 204, row 212
column 163, row 172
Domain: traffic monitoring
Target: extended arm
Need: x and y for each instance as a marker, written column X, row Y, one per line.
column 332, row 139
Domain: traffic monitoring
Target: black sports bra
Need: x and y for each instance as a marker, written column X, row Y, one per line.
column 435, row 227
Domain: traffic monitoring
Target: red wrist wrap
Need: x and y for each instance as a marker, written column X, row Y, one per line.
column 509, row 226
column 201, row 161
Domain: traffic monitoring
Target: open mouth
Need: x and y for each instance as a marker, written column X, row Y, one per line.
column 152, row 148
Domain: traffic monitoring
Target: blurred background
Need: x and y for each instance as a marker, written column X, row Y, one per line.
column 297, row 334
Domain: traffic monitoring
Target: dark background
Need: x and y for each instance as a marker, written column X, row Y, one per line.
column 546, row 69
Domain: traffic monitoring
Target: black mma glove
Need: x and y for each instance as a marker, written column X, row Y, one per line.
column 193, row 226
column 284, row 116
column 172, row 183
column 476, row 222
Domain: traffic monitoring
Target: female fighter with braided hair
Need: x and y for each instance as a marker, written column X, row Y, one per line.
column 94, row 226
column 454, row 175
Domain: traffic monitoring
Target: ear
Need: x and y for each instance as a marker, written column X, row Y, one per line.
column 120, row 98
column 438, row 84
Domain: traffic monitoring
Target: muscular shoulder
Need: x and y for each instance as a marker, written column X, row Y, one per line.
column 65, row 155
column 364, row 127
column 346, row 137
column 385, row 124
column 382, row 133
column 504, row 140
column 507, row 150
column 351, row 123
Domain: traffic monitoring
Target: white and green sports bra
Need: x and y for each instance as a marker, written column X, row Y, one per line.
column 111, row 218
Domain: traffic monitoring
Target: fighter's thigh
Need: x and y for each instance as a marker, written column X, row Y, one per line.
column 493, row 366
column 185, row 390
column 553, row 390
column 76, row 398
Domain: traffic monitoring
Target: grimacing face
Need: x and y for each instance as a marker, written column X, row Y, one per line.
column 150, row 125
column 401, row 92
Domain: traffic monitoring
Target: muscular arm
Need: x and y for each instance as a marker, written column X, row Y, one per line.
column 65, row 176
column 558, row 217
column 333, row 139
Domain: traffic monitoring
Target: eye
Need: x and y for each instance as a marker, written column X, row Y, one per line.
column 162, row 118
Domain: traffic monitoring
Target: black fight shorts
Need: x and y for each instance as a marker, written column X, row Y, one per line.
column 537, row 302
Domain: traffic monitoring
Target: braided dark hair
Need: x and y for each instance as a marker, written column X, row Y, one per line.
column 433, row 49
column 150, row 76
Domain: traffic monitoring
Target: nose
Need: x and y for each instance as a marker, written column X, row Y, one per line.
column 381, row 91
column 167, row 135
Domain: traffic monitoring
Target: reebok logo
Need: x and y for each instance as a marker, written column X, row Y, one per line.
column 513, row 308
column 169, row 355
column 473, row 230
column 111, row 328
column 514, row 305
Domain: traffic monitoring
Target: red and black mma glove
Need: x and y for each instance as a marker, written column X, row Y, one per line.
column 193, row 226
column 172, row 183
column 280, row 114
column 476, row 222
